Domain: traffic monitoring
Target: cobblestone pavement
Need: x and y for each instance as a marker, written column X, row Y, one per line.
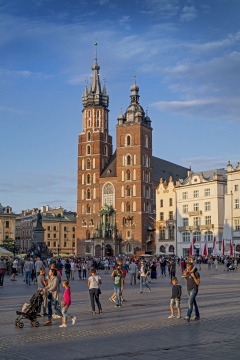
column 139, row 330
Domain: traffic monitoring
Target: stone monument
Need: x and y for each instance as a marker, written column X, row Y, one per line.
column 39, row 247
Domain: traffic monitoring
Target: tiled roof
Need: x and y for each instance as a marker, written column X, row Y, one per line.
column 164, row 169
column 208, row 174
column 110, row 168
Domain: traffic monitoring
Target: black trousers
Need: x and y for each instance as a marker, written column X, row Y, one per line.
column 94, row 296
column 1, row 279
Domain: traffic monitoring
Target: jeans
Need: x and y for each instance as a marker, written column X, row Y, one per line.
column 172, row 274
column 133, row 277
column 64, row 314
column 67, row 274
column 143, row 282
column 192, row 302
column 28, row 277
column 84, row 273
column 80, row 273
column 94, row 296
column 163, row 270
column 53, row 306
column 117, row 291
column 1, row 279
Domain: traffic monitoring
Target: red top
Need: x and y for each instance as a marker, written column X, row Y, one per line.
column 67, row 297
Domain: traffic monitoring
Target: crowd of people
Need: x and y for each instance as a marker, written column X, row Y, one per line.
column 140, row 270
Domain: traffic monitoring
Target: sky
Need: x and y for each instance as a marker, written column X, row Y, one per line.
column 186, row 58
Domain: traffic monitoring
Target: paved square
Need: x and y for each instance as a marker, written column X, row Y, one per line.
column 139, row 330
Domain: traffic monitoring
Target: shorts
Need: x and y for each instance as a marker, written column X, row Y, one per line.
column 173, row 302
column 124, row 272
column 14, row 270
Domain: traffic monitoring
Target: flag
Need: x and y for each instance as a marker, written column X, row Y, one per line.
column 192, row 246
column 223, row 247
column 205, row 251
column 200, row 245
column 214, row 246
column 231, row 248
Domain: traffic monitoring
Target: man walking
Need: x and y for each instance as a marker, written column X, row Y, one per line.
column 132, row 271
column 192, row 279
column 28, row 271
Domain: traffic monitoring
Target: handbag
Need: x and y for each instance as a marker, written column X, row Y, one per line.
column 138, row 276
column 99, row 290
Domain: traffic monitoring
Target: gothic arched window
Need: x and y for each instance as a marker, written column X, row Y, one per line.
column 88, row 136
column 88, row 193
column 88, row 149
column 128, row 175
column 128, row 191
column 88, row 164
column 108, row 194
column 128, row 140
column 128, row 159
column 88, row 178
column 128, row 207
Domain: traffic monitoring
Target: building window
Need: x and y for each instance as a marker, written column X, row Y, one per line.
column 236, row 203
column 185, row 195
column 55, row 236
column 196, row 207
column 161, row 216
column 108, row 195
column 65, row 244
column 54, row 228
column 65, row 228
column 207, row 192
column 48, row 235
column 48, row 243
column 88, row 194
column 237, row 225
column 170, row 202
column 185, row 209
column 73, row 229
column 128, row 160
column 128, row 207
column 88, row 165
column 73, row 244
column 88, row 209
column 197, row 236
column 236, row 187
column 65, row 236
column 128, row 142
column 146, row 141
column 170, row 215
column 185, row 222
column 209, row 235
column 128, row 191
column 105, row 150
column 196, row 194
column 54, row 244
column 161, row 203
column 196, row 221
column 88, row 149
column 171, row 232
column 208, row 220
column 7, row 224
column 186, row 237
column 48, row 228
column 88, row 179
column 91, row 222
column 207, row 206
column 84, row 222
column 128, row 175
column 161, row 233
column 88, row 136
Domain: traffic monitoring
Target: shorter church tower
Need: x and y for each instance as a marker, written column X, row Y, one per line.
column 134, row 189
column 94, row 152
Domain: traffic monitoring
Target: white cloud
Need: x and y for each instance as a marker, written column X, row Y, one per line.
column 166, row 9
column 202, row 163
column 125, row 22
column 11, row 110
column 188, row 13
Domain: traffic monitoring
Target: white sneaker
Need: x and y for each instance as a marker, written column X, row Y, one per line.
column 179, row 317
column 171, row 316
column 63, row 325
column 56, row 316
column 74, row 320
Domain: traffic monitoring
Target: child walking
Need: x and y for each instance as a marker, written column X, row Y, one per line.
column 175, row 299
column 65, row 304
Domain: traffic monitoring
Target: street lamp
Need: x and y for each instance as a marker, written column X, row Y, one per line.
column 58, row 249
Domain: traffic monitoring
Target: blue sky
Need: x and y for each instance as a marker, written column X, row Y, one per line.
column 186, row 57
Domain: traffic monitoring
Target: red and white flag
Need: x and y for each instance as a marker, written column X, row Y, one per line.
column 231, row 248
column 205, row 251
column 223, row 250
column 192, row 246
column 214, row 246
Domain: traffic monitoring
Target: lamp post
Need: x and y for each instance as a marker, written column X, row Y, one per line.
column 58, row 249
column 14, row 249
column 102, row 251
column 234, row 245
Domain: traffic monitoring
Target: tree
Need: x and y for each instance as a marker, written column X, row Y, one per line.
column 9, row 245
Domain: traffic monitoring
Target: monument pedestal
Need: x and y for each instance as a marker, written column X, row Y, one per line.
column 40, row 246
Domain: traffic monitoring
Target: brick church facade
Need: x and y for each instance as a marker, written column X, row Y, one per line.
column 116, row 191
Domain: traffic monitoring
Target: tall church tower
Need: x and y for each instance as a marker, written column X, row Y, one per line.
column 134, row 190
column 94, row 151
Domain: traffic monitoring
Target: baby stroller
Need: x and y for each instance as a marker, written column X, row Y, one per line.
column 30, row 311
column 231, row 267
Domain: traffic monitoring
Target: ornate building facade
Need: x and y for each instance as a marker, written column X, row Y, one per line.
column 116, row 191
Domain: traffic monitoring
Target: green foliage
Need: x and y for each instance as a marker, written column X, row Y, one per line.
column 8, row 244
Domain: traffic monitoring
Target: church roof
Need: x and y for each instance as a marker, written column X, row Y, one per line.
column 110, row 168
column 164, row 169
